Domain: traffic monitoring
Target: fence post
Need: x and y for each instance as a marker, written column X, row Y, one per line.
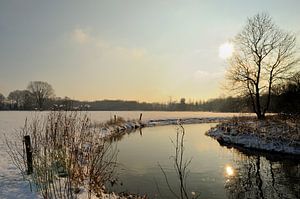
column 28, row 154
column 141, row 114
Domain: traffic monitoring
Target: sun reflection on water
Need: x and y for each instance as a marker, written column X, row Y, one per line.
column 229, row 170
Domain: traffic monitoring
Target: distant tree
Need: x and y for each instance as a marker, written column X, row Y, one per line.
column 68, row 103
column 182, row 101
column 65, row 103
column 16, row 96
column 22, row 98
column 264, row 55
column 2, row 98
column 289, row 96
column 41, row 91
column 182, row 104
column 296, row 79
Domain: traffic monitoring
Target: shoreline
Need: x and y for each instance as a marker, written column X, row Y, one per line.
column 120, row 128
column 272, row 135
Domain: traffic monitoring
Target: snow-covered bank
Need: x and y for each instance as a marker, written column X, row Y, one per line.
column 120, row 128
column 108, row 130
column 162, row 122
column 271, row 135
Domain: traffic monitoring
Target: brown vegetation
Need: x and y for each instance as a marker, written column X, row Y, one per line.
column 69, row 156
column 275, row 127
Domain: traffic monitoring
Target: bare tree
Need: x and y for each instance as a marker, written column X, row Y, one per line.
column 296, row 79
column 41, row 91
column 264, row 55
column 2, row 98
column 22, row 98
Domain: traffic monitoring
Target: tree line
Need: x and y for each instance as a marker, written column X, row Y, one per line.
column 36, row 96
column 41, row 96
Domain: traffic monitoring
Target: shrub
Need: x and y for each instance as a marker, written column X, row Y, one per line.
column 69, row 155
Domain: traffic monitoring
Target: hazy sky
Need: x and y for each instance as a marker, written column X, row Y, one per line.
column 123, row 49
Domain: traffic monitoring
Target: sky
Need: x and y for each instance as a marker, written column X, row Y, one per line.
column 140, row 50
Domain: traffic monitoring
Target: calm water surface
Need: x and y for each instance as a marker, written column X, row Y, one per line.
column 215, row 171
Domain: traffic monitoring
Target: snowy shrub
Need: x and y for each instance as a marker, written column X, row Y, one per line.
column 69, row 156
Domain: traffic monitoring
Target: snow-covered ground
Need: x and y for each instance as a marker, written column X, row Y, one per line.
column 12, row 185
column 273, row 136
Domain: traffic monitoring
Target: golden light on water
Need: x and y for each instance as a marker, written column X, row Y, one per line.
column 229, row 171
column 226, row 50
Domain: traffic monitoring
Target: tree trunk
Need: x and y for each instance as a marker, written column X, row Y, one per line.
column 258, row 106
column 269, row 93
column 257, row 95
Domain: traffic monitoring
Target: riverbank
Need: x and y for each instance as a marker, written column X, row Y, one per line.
column 279, row 134
column 118, row 127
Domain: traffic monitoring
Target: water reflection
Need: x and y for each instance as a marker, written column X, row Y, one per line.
column 261, row 178
column 119, row 136
column 229, row 170
column 215, row 172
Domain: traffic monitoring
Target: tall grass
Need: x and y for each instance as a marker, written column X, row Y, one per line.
column 69, row 155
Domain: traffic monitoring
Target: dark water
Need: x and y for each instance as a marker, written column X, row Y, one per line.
column 215, row 171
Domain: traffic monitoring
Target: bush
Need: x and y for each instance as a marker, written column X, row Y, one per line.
column 69, row 155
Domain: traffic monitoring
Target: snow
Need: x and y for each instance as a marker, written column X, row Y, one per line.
column 130, row 126
column 12, row 184
column 162, row 122
column 266, row 136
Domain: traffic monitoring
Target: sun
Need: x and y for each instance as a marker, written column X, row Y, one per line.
column 226, row 50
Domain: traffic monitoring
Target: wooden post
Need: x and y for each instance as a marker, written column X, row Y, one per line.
column 141, row 114
column 115, row 118
column 28, row 154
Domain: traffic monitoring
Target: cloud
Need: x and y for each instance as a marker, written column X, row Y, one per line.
column 134, row 53
column 105, row 48
column 81, row 36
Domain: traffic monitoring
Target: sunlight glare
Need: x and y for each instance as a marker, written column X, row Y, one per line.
column 229, row 171
column 226, row 50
